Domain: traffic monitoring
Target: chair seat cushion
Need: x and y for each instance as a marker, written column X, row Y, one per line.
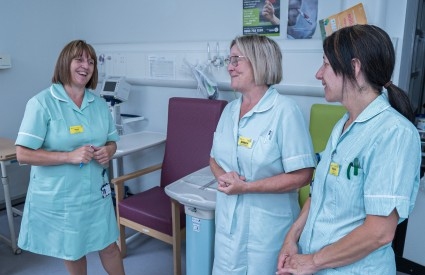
column 151, row 208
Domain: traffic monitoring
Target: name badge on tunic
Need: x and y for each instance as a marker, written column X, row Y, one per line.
column 106, row 190
column 106, row 187
column 334, row 169
column 76, row 129
column 245, row 142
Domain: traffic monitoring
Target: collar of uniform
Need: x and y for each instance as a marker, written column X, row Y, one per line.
column 58, row 92
column 375, row 107
column 265, row 103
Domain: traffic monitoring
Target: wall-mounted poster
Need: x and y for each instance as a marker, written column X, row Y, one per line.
column 302, row 19
column 349, row 17
column 261, row 17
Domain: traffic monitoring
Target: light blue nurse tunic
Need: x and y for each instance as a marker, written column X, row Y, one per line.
column 386, row 150
column 65, row 215
column 250, row 228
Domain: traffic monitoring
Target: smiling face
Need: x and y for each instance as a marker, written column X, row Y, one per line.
column 242, row 75
column 332, row 83
column 76, row 63
column 81, row 70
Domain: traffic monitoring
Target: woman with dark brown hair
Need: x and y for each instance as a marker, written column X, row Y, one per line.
column 368, row 175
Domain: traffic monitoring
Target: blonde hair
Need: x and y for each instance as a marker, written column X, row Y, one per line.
column 265, row 57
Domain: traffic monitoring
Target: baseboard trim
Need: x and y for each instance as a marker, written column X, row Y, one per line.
column 14, row 202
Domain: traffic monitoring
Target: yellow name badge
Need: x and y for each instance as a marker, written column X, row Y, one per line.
column 245, row 142
column 334, row 169
column 76, row 129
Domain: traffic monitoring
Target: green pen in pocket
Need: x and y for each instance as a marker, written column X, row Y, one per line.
column 356, row 164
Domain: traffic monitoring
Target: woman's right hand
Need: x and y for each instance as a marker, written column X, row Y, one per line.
column 289, row 248
column 268, row 12
column 41, row 157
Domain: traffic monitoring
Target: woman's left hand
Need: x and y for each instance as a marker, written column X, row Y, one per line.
column 298, row 264
column 231, row 183
column 289, row 248
column 102, row 155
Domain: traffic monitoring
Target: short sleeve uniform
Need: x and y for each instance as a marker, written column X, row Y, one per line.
column 370, row 169
column 65, row 215
column 269, row 140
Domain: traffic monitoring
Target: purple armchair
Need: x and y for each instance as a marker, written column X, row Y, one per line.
column 190, row 131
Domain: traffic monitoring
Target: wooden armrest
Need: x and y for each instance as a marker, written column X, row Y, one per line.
column 121, row 179
column 119, row 182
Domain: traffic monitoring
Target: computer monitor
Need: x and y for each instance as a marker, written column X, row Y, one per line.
column 115, row 89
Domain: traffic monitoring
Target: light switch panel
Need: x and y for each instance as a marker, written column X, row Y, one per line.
column 5, row 62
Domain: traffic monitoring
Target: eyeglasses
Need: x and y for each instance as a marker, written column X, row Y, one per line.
column 234, row 59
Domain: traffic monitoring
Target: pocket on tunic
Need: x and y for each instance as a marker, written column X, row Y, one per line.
column 224, row 211
column 47, row 192
column 268, row 228
column 266, row 152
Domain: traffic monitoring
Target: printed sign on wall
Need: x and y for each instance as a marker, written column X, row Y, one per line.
column 261, row 17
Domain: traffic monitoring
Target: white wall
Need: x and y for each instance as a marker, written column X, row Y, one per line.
column 135, row 21
column 189, row 41
column 32, row 33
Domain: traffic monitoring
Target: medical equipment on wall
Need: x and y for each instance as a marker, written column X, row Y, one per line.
column 115, row 90
column 217, row 60
column 206, row 82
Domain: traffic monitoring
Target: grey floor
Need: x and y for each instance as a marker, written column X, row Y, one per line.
column 145, row 256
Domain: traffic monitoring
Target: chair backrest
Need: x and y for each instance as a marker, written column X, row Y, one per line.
column 323, row 118
column 190, row 131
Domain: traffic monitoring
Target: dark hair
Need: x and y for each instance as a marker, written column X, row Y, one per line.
column 73, row 49
column 373, row 48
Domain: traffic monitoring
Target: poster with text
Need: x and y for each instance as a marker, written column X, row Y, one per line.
column 349, row 17
column 302, row 19
column 261, row 17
